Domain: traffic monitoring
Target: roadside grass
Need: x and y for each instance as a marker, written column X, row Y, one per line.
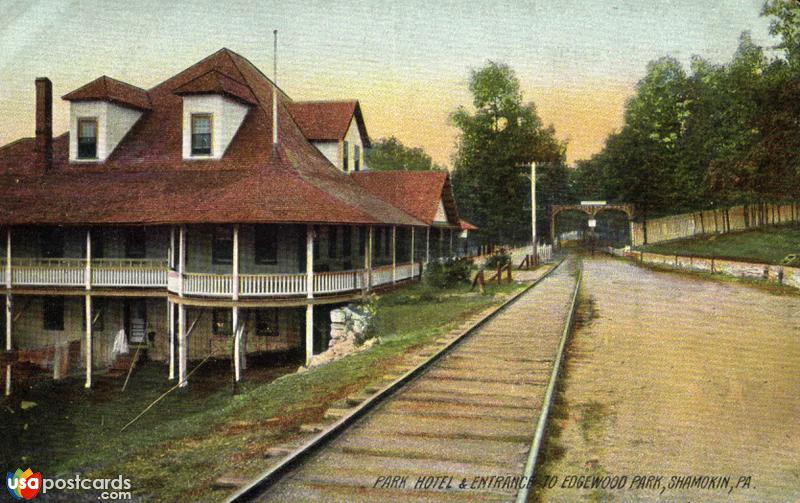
column 180, row 448
column 767, row 245
column 767, row 286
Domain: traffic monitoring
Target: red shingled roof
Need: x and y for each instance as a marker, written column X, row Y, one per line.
column 416, row 192
column 467, row 226
column 327, row 120
column 214, row 82
column 146, row 180
column 113, row 90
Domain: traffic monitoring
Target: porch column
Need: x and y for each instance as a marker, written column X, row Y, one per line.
column 237, row 355
column 365, row 275
column 181, row 260
column 309, row 333
column 9, row 320
column 8, row 307
column 235, row 278
column 451, row 243
column 88, row 273
column 310, row 295
column 171, row 251
column 369, row 254
column 427, row 245
column 310, row 261
column 171, row 322
column 182, row 346
column 394, row 254
column 413, row 250
column 88, row 383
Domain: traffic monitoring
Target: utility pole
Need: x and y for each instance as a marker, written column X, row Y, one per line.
column 533, row 211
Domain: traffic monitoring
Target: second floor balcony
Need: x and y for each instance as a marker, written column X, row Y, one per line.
column 208, row 271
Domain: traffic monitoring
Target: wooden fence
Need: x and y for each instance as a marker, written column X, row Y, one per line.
column 718, row 221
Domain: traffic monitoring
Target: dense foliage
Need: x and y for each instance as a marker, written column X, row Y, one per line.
column 448, row 273
column 391, row 154
column 497, row 139
column 498, row 260
column 709, row 135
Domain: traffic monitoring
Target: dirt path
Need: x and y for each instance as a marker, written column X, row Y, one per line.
column 676, row 376
column 471, row 414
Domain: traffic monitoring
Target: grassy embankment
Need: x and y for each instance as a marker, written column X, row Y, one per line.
column 768, row 245
column 194, row 436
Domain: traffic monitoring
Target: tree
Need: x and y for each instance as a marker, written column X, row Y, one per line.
column 391, row 154
column 498, row 135
column 785, row 24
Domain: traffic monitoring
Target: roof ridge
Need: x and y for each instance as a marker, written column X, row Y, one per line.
column 302, row 102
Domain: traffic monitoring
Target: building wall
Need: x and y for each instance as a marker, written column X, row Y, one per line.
column 228, row 116
column 353, row 138
column 291, row 323
column 331, row 151
column 113, row 123
column 29, row 335
column 25, row 242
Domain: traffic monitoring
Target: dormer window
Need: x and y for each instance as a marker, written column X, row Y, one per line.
column 356, row 158
column 201, row 134
column 87, row 138
column 346, row 155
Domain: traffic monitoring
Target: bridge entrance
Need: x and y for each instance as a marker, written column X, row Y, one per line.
column 592, row 222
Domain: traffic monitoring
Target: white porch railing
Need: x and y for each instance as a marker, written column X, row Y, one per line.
column 381, row 275
column 338, row 281
column 265, row 285
column 211, row 285
column 129, row 272
column 405, row 271
column 48, row 272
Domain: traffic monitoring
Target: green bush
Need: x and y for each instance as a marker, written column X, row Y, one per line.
column 499, row 260
column 448, row 273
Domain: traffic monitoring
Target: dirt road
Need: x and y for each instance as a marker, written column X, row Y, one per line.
column 674, row 376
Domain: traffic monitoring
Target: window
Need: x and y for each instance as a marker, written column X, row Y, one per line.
column 222, row 245
column 51, row 242
column 53, row 313
column 266, row 244
column 347, row 241
column 222, row 322
column 201, row 134
column 332, row 238
column 87, row 138
column 135, row 242
column 98, row 240
column 388, row 243
column 345, row 156
column 378, row 247
column 362, row 241
column 267, row 323
column 356, row 158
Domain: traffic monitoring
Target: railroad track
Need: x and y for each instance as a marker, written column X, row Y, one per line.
column 441, row 434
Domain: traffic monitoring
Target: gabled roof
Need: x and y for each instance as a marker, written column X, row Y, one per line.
column 214, row 82
column 112, row 90
column 327, row 120
column 146, row 179
column 415, row 192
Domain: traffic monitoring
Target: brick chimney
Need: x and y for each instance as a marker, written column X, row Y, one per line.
column 43, row 146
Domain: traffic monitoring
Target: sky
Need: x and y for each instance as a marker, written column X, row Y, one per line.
column 407, row 62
